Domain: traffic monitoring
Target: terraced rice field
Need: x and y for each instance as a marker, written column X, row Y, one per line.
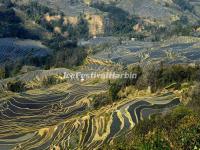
column 149, row 9
column 11, row 49
column 59, row 119
column 21, row 117
column 35, row 77
column 99, row 65
column 70, row 8
column 186, row 50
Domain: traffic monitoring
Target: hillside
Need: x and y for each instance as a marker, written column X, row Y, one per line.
column 16, row 48
column 81, row 115
column 163, row 11
column 99, row 74
column 175, row 50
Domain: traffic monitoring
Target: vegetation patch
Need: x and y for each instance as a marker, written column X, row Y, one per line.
column 16, row 86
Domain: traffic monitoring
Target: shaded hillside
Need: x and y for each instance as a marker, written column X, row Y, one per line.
column 12, row 25
column 163, row 11
column 30, row 21
column 131, row 18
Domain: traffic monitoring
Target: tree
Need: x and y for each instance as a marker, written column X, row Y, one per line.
column 7, row 3
column 16, row 86
column 2, row 73
column 194, row 95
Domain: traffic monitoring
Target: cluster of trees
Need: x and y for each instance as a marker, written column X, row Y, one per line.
column 111, row 96
column 120, row 84
column 16, row 86
column 66, row 53
column 11, row 24
column 161, row 76
column 181, row 27
column 51, row 80
column 80, row 31
column 69, row 57
column 12, row 68
column 100, row 100
column 119, row 21
column 35, row 11
column 156, row 77
column 184, row 4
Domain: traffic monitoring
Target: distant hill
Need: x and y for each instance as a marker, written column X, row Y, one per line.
column 161, row 10
column 60, row 25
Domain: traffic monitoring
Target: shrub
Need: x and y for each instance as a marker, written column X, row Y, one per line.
column 7, row 3
column 16, row 86
column 179, row 129
column 184, row 4
column 101, row 100
column 51, row 80
column 2, row 73
column 194, row 95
